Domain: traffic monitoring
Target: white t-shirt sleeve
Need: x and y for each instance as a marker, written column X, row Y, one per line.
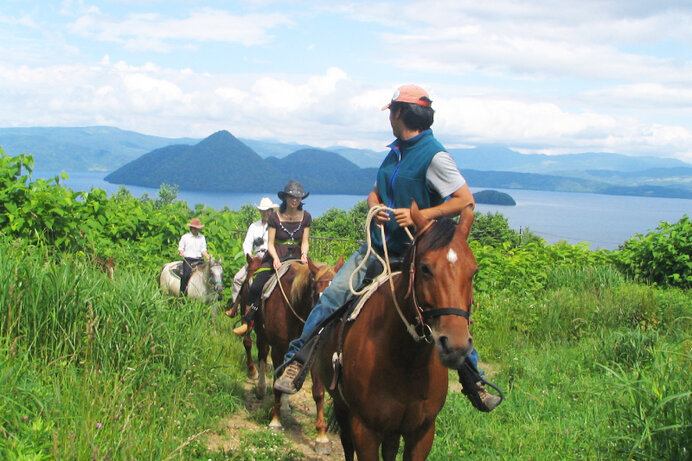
column 443, row 174
column 249, row 238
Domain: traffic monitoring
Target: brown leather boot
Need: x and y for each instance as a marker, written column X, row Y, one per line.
column 490, row 401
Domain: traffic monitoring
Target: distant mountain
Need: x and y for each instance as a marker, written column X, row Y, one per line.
column 364, row 158
column 326, row 171
column 256, row 165
column 500, row 158
column 531, row 181
column 222, row 163
column 95, row 148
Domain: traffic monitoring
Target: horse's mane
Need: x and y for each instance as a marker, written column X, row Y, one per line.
column 439, row 235
column 301, row 282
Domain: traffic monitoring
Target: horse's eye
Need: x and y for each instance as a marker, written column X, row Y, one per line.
column 426, row 270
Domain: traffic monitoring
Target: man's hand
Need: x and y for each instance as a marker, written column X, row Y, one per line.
column 381, row 217
column 403, row 217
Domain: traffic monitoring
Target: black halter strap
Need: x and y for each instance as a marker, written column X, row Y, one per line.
column 432, row 313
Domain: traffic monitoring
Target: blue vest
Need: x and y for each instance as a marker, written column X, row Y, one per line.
column 400, row 179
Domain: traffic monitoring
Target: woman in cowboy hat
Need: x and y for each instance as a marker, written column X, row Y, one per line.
column 191, row 248
column 255, row 243
column 288, row 233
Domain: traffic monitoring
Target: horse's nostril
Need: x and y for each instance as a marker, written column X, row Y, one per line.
column 444, row 343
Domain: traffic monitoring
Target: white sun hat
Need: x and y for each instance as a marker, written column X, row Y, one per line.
column 266, row 204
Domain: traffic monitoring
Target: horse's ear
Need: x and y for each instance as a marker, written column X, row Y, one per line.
column 248, row 258
column 312, row 266
column 465, row 221
column 339, row 263
column 419, row 220
column 221, row 259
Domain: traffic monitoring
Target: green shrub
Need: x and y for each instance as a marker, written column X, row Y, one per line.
column 663, row 256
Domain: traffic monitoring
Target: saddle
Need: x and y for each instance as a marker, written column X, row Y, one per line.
column 373, row 279
column 176, row 269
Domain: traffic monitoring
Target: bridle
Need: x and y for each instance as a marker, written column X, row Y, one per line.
column 424, row 315
column 218, row 284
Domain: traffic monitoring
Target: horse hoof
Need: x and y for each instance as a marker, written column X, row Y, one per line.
column 275, row 426
column 253, row 374
column 260, row 393
column 323, row 448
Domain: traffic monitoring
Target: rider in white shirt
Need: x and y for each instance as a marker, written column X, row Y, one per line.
column 255, row 243
column 192, row 247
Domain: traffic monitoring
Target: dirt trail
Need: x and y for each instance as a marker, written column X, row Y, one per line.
column 298, row 426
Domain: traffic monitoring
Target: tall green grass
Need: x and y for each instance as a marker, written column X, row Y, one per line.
column 593, row 367
column 100, row 368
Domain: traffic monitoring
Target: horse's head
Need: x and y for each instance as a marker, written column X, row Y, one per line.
column 440, row 282
column 253, row 263
column 323, row 275
column 216, row 274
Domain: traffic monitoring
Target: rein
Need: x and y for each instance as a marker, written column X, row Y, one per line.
column 288, row 302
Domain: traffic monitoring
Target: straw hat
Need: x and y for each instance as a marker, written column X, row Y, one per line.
column 293, row 189
column 195, row 222
column 266, row 204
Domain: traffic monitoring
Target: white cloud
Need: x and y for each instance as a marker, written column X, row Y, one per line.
column 153, row 32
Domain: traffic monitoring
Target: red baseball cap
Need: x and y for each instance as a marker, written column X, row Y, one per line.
column 412, row 94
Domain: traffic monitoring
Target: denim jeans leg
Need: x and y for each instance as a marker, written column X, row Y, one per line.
column 335, row 296
column 473, row 357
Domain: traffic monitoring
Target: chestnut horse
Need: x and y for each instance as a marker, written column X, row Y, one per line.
column 240, row 305
column 281, row 320
column 395, row 356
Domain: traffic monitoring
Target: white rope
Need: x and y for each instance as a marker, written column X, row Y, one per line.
column 385, row 264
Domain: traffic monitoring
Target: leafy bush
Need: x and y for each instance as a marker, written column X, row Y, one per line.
column 663, row 256
column 492, row 229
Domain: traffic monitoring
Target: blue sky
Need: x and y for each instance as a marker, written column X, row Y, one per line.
column 535, row 75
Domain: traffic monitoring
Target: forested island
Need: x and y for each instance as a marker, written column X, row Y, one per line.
column 494, row 197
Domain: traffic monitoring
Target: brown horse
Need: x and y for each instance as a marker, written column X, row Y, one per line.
column 240, row 305
column 280, row 321
column 395, row 355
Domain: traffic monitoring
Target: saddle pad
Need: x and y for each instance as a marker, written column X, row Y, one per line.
column 271, row 283
column 360, row 302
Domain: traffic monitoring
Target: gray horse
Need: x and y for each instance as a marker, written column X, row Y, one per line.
column 206, row 281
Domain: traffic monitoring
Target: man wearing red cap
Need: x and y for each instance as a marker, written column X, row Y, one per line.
column 191, row 248
column 416, row 168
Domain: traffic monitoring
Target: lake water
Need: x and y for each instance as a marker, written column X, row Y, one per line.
column 604, row 221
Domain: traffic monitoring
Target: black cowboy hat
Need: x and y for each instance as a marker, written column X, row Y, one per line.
column 293, row 189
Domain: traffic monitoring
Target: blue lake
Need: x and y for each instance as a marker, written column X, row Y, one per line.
column 604, row 221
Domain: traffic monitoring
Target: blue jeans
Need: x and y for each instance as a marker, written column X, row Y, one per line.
column 335, row 296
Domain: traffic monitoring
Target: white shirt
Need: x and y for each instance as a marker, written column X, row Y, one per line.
column 191, row 246
column 256, row 230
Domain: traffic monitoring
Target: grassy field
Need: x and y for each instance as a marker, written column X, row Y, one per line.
column 593, row 367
